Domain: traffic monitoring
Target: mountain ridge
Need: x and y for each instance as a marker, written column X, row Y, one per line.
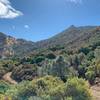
column 71, row 38
column 67, row 36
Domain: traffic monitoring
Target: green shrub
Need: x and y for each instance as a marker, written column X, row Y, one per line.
column 78, row 89
column 84, row 50
column 24, row 72
column 90, row 76
column 50, row 56
column 4, row 86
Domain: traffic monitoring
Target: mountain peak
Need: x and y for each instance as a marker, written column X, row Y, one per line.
column 72, row 27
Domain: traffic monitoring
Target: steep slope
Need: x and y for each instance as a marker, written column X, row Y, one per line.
column 72, row 37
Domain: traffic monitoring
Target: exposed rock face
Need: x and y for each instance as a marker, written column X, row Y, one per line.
column 8, row 50
column 10, row 46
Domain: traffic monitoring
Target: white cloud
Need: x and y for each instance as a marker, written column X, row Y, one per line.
column 26, row 26
column 7, row 11
column 74, row 1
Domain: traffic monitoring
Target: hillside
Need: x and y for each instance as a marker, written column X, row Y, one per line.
column 71, row 38
column 10, row 46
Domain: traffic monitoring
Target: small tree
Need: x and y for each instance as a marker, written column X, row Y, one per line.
column 50, row 56
column 90, row 76
column 59, row 68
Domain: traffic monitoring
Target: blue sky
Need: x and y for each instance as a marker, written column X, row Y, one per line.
column 40, row 19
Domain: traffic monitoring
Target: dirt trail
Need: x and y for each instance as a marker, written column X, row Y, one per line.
column 7, row 77
column 96, row 92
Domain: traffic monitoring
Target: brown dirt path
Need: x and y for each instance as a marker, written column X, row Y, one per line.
column 7, row 77
column 96, row 92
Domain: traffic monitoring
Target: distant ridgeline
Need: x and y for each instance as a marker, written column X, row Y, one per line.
column 72, row 38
